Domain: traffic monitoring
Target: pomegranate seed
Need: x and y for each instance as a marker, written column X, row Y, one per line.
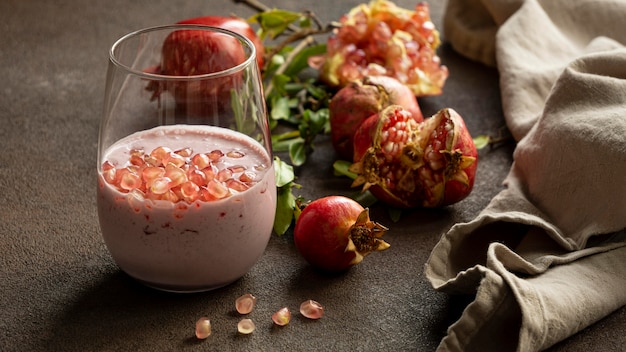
column 235, row 154
column 161, row 154
column 190, row 191
column 184, row 152
column 196, row 176
column 224, row 175
column 137, row 160
column 246, row 326
column 215, row 155
column 170, row 196
column 160, row 185
column 247, row 176
column 217, row 189
column 130, row 181
column 175, row 159
column 152, row 172
column 311, row 309
column 136, row 199
column 201, row 161
column 152, row 161
column 210, row 172
column 175, row 174
column 109, row 172
column 203, row 328
column 237, row 169
column 282, row 316
column 245, row 303
column 236, row 185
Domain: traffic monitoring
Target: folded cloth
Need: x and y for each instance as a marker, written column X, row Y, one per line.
column 547, row 257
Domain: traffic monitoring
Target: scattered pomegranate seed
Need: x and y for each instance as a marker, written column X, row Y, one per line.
column 245, row 303
column 246, row 326
column 311, row 309
column 282, row 316
column 203, row 328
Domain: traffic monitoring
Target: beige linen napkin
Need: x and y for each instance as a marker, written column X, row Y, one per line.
column 547, row 257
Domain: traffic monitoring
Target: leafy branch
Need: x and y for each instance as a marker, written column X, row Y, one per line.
column 297, row 102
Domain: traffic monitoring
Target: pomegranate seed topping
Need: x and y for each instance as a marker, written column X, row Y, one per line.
column 236, row 185
column 245, row 303
column 171, row 196
column 224, row 175
column 282, row 316
column 210, row 172
column 190, row 191
column 175, row 174
column 235, row 154
column 185, row 152
column 203, row 328
column 175, row 159
column 137, row 160
column 201, row 161
column 136, row 199
column 180, row 175
column 136, row 152
column 161, row 154
column 217, row 190
column 215, row 155
column 152, row 172
column 152, row 161
column 237, row 169
column 247, row 176
column 196, row 176
column 311, row 309
column 246, row 326
column 160, row 185
column 130, row 181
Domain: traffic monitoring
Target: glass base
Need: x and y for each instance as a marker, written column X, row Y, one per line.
column 182, row 288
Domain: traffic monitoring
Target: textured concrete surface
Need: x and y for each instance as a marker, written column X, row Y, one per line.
column 60, row 289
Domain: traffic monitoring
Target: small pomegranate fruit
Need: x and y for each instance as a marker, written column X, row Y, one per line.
column 407, row 164
column 384, row 39
column 234, row 24
column 335, row 232
column 194, row 52
column 360, row 99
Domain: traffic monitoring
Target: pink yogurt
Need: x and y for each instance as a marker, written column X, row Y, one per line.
column 185, row 246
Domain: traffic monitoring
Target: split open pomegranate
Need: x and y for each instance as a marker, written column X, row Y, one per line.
column 408, row 164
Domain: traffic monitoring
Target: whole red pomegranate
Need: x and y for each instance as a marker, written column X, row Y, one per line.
column 234, row 24
column 335, row 232
column 194, row 52
column 384, row 39
column 360, row 99
column 408, row 164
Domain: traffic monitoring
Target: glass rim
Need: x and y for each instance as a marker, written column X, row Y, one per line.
column 251, row 59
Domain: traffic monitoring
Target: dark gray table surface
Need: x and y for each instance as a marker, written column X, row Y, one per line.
column 60, row 289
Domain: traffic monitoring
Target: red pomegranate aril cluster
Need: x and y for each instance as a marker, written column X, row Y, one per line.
column 181, row 175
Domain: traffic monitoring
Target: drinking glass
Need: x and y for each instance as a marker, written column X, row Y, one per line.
column 186, row 192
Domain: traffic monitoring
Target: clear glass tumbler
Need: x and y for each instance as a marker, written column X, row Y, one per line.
column 186, row 192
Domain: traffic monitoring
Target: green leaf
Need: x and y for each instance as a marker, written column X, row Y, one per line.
column 366, row 198
column 280, row 108
column 274, row 22
column 285, row 205
column 341, row 168
column 300, row 60
column 482, row 141
column 297, row 153
column 283, row 173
